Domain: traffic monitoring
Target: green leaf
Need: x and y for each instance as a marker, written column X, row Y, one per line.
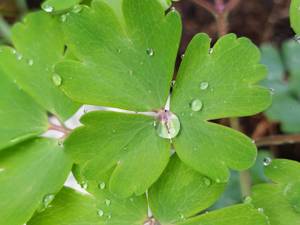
column 291, row 59
column 235, row 215
column 127, row 60
column 59, row 5
column 66, row 208
column 128, row 143
column 280, row 200
column 30, row 174
column 181, row 192
column 20, row 117
column 285, row 108
column 32, row 64
column 216, row 85
column 295, row 15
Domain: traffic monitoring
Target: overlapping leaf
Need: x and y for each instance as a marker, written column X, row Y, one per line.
column 20, row 116
column 280, row 200
column 127, row 62
column 222, row 82
column 128, row 143
column 30, row 174
column 286, row 105
column 31, row 64
column 295, row 15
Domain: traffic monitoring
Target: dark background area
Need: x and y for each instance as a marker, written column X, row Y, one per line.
column 260, row 20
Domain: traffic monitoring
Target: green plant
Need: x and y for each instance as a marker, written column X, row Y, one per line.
column 155, row 157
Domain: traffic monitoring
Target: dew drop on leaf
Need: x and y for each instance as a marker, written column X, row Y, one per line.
column 182, row 56
column 101, row 185
column 260, row 210
column 109, row 216
column 247, row 200
column 168, row 125
column 100, row 212
column 63, row 18
column 84, row 185
column 47, row 200
column 47, row 8
column 77, row 9
column 207, row 181
column 196, row 105
column 297, row 38
column 204, row 85
column 150, row 52
column 30, row 62
column 267, row 161
column 19, row 56
column 56, row 80
column 107, row 202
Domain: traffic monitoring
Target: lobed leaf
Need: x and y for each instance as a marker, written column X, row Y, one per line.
column 280, row 200
column 30, row 174
column 127, row 143
column 31, row 66
column 20, row 117
column 127, row 60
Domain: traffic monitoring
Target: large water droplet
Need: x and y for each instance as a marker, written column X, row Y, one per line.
column 102, row 185
column 47, row 8
column 267, row 161
column 56, row 80
column 196, row 105
column 150, row 52
column 204, row 85
column 100, row 212
column 168, row 125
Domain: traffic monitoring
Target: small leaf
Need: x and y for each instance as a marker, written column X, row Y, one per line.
column 280, row 200
column 59, row 5
column 234, row 215
column 31, row 64
column 127, row 60
column 20, row 117
column 181, row 193
column 127, row 143
column 295, row 15
column 30, row 174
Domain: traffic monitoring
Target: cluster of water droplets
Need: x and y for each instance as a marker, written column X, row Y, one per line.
column 107, row 202
column 20, row 57
column 196, row 104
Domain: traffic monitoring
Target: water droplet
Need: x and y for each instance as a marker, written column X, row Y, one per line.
column 168, row 125
column 272, row 91
column 196, row 105
column 204, row 85
column 211, row 50
column 267, row 161
column 30, row 62
column 100, row 212
column 173, row 82
column 150, row 52
column 173, row 9
column 218, row 180
column 63, row 18
column 2, row 170
column 247, row 200
column 119, row 50
column 260, row 210
column 47, row 200
column 182, row 217
column 84, row 185
column 102, row 185
column 19, row 56
column 107, row 202
column 109, row 216
column 131, row 199
column 182, row 56
column 56, row 80
column 77, row 9
column 47, row 8
column 207, row 181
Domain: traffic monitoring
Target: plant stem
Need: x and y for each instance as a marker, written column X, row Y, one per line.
column 5, row 30
column 206, row 5
column 245, row 181
column 22, row 5
column 278, row 140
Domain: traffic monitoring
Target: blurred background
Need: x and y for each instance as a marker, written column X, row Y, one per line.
column 266, row 23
